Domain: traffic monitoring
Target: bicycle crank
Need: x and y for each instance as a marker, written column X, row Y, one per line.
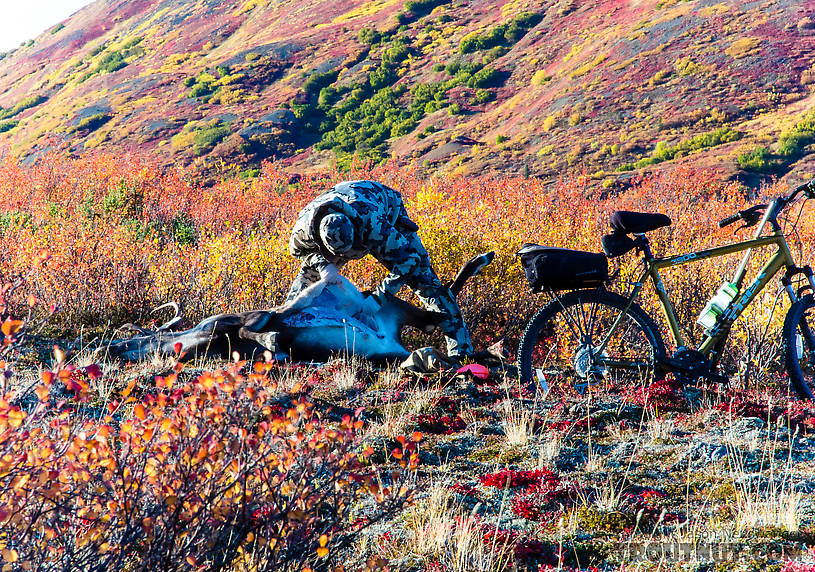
column 691, row 365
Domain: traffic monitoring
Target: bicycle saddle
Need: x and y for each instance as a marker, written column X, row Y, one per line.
column 636, row 223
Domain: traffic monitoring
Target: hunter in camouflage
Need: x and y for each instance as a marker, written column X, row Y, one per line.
column 356, row 218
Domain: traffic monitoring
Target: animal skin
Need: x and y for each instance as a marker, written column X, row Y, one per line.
column 328, row 318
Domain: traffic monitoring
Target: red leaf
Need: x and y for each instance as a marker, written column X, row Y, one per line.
column 93, row 371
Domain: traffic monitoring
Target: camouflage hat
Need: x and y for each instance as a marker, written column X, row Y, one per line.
column 336, row 233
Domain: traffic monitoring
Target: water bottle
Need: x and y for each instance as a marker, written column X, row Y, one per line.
column 717, row 305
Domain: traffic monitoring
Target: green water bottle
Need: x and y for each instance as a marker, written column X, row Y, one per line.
column 717, row 305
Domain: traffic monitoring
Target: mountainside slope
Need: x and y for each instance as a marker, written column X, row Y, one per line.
column 527, row 86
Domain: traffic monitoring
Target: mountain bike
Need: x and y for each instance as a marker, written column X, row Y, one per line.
column 589, row 334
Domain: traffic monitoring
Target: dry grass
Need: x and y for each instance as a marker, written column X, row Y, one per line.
column 518, row 423
column 549, row 451
column 346, row 375
column 437, row 528
column 398, row 416
column 771, row 501
column 659, row 430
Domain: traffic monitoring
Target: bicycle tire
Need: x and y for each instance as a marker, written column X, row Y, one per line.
column 799, row 346
column 549, row 345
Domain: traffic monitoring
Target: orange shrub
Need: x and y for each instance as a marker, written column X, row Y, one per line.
column 125, row 236
column 215, row 473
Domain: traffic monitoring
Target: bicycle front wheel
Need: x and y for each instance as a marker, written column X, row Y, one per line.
column 799, row 346
column 562, row 343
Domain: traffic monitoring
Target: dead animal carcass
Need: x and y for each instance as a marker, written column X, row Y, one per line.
column 328, row 318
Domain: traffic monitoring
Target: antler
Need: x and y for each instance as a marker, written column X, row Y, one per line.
column 172, row 321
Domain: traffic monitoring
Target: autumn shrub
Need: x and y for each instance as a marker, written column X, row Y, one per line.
column 125, row 235
column 219, row 472
column 514, row 478
column 92, row 122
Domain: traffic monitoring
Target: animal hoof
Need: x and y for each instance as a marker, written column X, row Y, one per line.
column 268, row 340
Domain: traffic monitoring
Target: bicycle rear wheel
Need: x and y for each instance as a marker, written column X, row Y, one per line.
column 799, row 346
column 561, row 342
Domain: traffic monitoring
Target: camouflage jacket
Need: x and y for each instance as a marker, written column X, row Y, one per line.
column 374, row 210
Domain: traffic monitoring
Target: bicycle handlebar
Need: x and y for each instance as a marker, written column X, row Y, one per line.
column 808, row 188
column 752, row 215
column 729, row 220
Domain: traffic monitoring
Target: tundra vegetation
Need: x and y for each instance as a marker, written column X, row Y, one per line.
column 267, row 465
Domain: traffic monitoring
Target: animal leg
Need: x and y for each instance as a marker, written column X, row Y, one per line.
column 267, row 340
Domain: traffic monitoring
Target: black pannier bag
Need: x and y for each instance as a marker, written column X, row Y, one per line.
column 547, row 267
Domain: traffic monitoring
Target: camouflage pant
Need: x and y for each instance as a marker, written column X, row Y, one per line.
column 406, row 258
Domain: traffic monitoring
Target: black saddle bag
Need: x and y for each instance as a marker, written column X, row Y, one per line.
column 549, row 268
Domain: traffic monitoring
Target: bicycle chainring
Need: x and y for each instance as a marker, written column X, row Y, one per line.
column 690, row 364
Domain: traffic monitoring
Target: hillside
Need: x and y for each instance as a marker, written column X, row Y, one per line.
column 524, row 86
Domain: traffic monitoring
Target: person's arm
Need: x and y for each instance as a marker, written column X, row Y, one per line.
column 320, row 263
column 403, row 222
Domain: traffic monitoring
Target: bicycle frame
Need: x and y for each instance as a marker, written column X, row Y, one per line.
column 781, row 258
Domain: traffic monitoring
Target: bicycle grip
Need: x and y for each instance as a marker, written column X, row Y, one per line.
column 729, row 220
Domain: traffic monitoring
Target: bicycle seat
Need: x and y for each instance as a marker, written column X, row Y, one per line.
column 637, row 223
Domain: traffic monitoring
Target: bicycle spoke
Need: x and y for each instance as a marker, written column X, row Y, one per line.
column 562, row 342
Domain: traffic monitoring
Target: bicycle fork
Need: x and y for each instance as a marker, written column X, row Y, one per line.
column 796, row 296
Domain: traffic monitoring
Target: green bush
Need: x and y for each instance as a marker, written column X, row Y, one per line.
column 791, row 144
column 184, row 231
column 317, row 81
column 15, row 219
column 664, row 152
column 92, row 122
column 422, row 7
column 501, row 139
column 486, row 77
column 115, row 60
column 482, row 96
column 8, row 125
column 57, row 28
column 112, row 62
column 369, row 36
column 22, row 105
column 502, row 35
column 396, row 53
column 328, row 96
column 646, row 161
column 382, row 76
column 205, row 139
column 200, row 90
column 759, row 160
